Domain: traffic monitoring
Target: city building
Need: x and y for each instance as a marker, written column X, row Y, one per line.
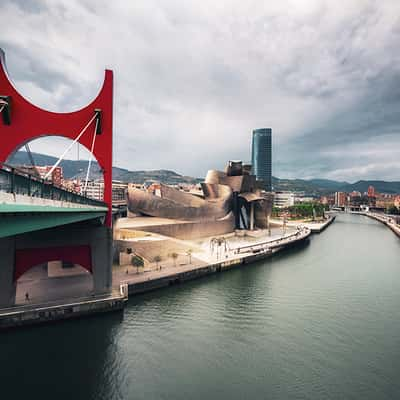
column 324, row 200
column 371, row 191
column 56, row 175
column 354, row 194
column 384, row 202
column 95, row 190
column 327, row 200
column 228, row 200
column 119, row 190
column 283, row 199
column 340, row 199
column 300, row 197
column 261, row 156
column 74, row 185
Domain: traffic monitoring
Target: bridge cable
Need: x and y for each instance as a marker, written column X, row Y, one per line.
column 69, row 147
column 91, row 156
column 32, row 161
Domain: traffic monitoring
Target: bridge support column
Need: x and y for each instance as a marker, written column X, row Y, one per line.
column 101, row 243
column 8, row 287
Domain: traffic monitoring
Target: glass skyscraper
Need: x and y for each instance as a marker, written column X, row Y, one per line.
column 261, row 156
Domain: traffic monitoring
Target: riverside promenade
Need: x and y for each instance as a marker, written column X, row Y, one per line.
column 314, row 226
column 52, row 301
column 50, row 311
column 203, row 263
column 385, row 219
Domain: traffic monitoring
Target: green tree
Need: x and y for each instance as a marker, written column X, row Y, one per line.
column 137, row 262
column 174, row 256
column 157, row 260
column 189, row 254
column 306, row 210
column 392, row 210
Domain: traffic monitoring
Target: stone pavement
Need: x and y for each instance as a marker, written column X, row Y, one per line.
column 42, row 289
column 201, row 257
column 167, row 268
column 315, row 226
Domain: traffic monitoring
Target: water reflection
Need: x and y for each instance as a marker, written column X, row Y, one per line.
column 62, row 360
column 318, row 322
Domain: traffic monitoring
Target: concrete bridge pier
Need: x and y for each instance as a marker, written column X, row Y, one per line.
column 101, row 244
column 8, row 287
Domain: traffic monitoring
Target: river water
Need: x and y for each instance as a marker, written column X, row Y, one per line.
column 317, row 322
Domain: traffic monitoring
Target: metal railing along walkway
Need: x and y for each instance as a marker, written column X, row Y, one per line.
column 16, row 181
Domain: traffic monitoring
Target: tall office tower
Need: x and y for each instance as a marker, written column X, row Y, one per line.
column 261, row 157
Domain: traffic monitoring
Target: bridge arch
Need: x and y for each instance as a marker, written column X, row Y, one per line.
column 25, row 259
column 48, row 136
column 22, row 122
column 84, row 162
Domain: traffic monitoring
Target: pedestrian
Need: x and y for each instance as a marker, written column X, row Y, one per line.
column 127, row 271
column 26, row 296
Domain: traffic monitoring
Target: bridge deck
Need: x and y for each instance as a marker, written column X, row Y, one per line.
column 17, row 223
column 34, row 208
column 29, row 204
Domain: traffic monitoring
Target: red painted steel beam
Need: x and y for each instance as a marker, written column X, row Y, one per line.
column 28, row 122
column 25, row 259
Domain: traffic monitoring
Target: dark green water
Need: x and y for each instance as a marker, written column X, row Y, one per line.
column 318, row 322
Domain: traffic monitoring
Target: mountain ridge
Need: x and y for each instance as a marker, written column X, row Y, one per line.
column 315, row 187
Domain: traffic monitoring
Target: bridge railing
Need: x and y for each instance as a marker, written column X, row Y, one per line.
column 16, row 181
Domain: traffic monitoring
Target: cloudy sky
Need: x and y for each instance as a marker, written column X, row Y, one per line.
column 193, row 78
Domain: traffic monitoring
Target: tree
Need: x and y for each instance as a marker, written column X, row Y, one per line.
column 305, row 210
column 174, row 256
column 392, row 210
column 189, row 254
column 157, row 259
column 137, row 262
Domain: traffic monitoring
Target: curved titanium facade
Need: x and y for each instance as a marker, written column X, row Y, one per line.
column 230, row 200
column 179, row 205
column 261, row 155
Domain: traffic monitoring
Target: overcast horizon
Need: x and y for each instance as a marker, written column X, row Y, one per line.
column 193, row 79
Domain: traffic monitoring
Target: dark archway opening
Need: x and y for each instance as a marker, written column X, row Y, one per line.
column 52, row 281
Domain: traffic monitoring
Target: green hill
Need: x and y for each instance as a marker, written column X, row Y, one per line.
column 314, row 187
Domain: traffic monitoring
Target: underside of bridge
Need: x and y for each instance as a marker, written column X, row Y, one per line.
column 87, row 243
column 21, row 218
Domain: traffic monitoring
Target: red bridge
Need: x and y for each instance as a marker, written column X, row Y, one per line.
column 38, row 221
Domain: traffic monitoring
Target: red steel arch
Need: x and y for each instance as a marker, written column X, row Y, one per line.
column 28, row 122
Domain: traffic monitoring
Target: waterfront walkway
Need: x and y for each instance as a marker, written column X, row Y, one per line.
column 204, row 261
column 385, row 219
column 314, row 226
column 52, row 298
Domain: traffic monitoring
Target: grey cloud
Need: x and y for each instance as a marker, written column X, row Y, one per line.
column 30, row 6
column 30, row 68
column 193, row 79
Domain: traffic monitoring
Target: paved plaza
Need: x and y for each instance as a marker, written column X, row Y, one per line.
column 66, row 286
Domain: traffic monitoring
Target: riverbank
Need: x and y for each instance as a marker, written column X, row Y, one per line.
column 31, row 314
column 241, row 251
column 386, row 220
column 203, row 265
column 314, row 226
column 326, row 318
